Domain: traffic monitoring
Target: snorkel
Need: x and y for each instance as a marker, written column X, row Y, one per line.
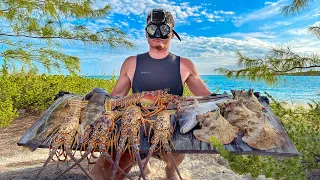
column 159, row 26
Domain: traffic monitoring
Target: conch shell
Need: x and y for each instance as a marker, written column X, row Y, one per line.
column 214, row 124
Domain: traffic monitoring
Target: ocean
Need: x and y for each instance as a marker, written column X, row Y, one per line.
column 292, row 89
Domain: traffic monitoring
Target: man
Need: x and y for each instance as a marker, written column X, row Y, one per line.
column 156, row 69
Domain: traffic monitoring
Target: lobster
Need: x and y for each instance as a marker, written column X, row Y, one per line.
column 131, row 121
column 157, row 100
column 162, row 135
column 100, row 136
column 65, row 136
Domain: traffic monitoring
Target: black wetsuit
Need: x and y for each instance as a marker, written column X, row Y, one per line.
column 154, row 74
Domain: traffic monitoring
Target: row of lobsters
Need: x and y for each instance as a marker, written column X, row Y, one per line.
column 98, row 123
column 111, row 125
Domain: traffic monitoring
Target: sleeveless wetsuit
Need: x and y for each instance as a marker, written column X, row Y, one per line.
column 154, row 74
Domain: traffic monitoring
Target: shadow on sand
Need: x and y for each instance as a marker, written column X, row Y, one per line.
column 49, row 172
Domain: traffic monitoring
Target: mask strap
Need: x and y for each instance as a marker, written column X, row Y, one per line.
column 174, row 32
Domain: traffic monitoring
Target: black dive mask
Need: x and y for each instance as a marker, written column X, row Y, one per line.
column 158, row 27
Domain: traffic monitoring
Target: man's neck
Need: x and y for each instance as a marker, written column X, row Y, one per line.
column 158, row 54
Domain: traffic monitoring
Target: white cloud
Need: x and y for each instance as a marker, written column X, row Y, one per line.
column 182, row 12
column 224, row 12
column 316, row 23
column 269, row 26
column 124, row 23
column 270, row 3
column 205, row 28
column 263, row 35
column 298, row 31
column 266, row 12
column 207, row 53
column 198, row 20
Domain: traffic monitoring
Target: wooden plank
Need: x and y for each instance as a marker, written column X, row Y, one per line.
column 187, row 143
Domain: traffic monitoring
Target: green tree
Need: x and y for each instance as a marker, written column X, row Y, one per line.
column 279, row 60
column 297, row 6
column 31, row 32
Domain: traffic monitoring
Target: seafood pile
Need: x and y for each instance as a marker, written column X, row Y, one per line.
column 98, row 123
column 243, row 113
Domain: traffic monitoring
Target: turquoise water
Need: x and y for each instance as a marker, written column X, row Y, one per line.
column 293, row 89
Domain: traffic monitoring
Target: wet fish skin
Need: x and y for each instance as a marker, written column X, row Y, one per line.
column 50, row 125
column 187, row 117
column 94, row 108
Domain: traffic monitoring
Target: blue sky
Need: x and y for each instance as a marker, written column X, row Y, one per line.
column 211, row 32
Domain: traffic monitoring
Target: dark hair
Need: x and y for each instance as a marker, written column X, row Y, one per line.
column 169, row 18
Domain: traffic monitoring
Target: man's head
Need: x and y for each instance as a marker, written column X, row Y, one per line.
column 157, row 13
column 159, row 29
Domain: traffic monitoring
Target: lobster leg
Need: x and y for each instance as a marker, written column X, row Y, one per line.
column 155, row 111
column 174, row 164
column 106, row 155
column 120, row 149
column 76, row 162
column 53, row 151
column 136, row 150
column 152, row 148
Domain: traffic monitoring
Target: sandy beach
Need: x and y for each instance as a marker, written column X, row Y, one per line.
column 18, row 162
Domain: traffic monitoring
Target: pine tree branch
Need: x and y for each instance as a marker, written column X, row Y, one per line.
column 39, row 37
column 288, row 70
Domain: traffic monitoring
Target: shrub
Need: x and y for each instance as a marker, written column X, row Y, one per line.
column 35, row 92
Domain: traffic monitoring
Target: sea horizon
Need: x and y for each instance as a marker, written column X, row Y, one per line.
column 291, row 89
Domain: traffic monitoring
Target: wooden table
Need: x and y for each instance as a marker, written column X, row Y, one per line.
column 187, row 143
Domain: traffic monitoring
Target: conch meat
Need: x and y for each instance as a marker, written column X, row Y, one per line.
column 214, row 124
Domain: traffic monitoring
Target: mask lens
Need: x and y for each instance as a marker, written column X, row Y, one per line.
column 165, row 30
column 151, row 29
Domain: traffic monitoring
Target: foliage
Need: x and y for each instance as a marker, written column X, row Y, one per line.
column 303, row 128
column 307, row 73
column 36, row 92
column 297, row 6
column 32, row 31
column 278, row 61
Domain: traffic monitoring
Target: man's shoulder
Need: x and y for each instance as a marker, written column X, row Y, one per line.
column 130, row 59
column 133, row 59
column 186, row 61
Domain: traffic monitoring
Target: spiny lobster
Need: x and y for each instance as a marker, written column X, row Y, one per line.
column 162, row 135
column 100, row 135
column 157, row 100
column 131, row 121
column 65, row 137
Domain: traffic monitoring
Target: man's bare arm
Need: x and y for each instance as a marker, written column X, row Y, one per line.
column 194, row 82
column 123, row 84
